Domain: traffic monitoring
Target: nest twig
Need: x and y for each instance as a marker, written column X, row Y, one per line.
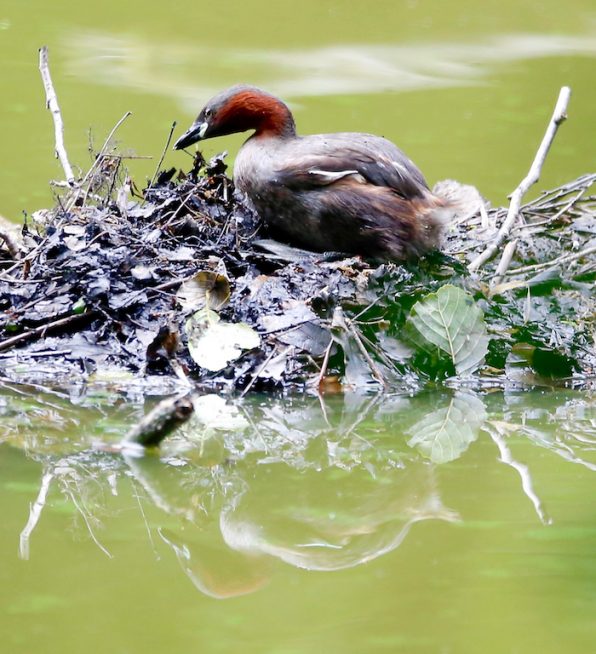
column 98, row 281
column 559, row 115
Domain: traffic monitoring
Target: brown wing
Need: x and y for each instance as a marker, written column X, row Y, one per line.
column 325, row 159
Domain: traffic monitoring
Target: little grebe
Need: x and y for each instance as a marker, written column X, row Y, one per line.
column 346, row 192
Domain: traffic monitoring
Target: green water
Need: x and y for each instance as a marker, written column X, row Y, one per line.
column 465, row 88
column 439, row 523
column 445, row 522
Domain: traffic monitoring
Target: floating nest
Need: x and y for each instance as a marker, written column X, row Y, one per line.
column 182, row 285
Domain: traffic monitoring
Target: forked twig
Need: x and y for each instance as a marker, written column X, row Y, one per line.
column 52, row 105
column 98, row 160
column 559, row 115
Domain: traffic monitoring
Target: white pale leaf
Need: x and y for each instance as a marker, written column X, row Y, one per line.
column 213, row 344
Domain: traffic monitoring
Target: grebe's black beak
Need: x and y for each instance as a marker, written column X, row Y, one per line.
column 195, row 133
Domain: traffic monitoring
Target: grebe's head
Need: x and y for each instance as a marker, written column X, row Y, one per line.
column 238, row 109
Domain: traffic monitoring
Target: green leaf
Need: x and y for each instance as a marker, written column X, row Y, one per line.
column 213, row 344
column 445, row 434
column 450, row 321
column 79, row 306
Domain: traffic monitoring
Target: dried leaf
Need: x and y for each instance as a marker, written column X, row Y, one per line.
column 205, row 289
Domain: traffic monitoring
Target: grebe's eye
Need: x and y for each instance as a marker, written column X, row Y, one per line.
column 207, row 113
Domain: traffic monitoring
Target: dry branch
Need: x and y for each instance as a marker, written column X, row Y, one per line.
column 531, row 178
column 88, row 177
column 42, row 329
column 52, row 105
column 160, row 421
column 163, row 154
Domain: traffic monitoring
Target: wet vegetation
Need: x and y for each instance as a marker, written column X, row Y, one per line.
column 183, row 282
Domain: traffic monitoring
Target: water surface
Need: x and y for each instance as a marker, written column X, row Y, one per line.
column 465, row 89
column 437, row 523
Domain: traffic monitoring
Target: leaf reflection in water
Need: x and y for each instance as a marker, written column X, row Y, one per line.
column 445, row 434
column 316, row 483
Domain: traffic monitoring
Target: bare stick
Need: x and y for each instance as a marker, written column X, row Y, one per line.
column 504, row 263
column 372, row 365
column 42, row 329
column 532, row 177
column 325, row 364
column 564, row 258
column 485, row 220
column 35, row 511
column 52, row 105
column 105, row 146
column 560, row 212
column 262, row 367
column 163, row 154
